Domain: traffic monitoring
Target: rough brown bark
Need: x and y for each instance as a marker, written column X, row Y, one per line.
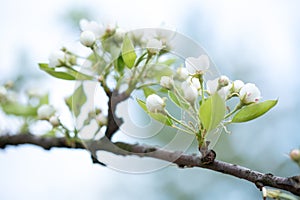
column 291, row 184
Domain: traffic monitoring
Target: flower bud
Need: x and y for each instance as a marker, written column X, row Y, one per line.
column 87, row 38
column 54, row 121
column 182, row 74
column 155, row 104
column 190, row 92
column 223, row 81
column 166, row 82
column 56, row 59
column 119, row 34
column 237, row 85
column 249, row 93
column 295, row 155
column 45, row 112
column 101, row 119
column 197, row 65
column 154, row 46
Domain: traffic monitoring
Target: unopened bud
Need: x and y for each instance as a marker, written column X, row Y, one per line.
column 295, row 155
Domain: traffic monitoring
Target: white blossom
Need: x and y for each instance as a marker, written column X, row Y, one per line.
column 190, row 92
column 56, row 59
column 221, row 85
column 225, row 91
column 223, row 81
column 45, row 112
column 154, row 46
column 249, row 93
column 182, row 73
column 194, row 82
column 237, row 85
column 166, row 82
column 54, row 121
column 155, row 103
column 212, row 86
column 87, row 38
column 93, row 26
column 101, row 119
column 119, row 34
column 197, row 65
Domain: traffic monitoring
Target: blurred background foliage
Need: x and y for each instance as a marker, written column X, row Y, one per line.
column 249, row 40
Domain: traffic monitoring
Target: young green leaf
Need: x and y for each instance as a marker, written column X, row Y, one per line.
column 164, row 119
column 253, row 111
column 148, row 91
column 75, row 101
column 56, row 74
column 212, row 112
column 119, row 65
column 18, row 109
column 128, row 53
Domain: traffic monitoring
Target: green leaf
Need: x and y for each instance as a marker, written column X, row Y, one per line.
column 78, row 75
column 164, row 119
column 128, row 53
column 212, row 112
column 75, row 101
column 176, row 100
column 142, row 104
column 56, row 74
column 253, row 111
column 148, row 91
column 15, row 108
column 119, row 65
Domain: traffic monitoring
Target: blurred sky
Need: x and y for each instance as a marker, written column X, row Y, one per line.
column 257, row 41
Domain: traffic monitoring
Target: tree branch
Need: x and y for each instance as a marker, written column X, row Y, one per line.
column 291, row 184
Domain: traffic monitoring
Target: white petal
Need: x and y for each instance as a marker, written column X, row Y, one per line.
column 197, row 65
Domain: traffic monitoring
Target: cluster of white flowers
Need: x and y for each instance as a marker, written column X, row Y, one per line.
column 248, row 92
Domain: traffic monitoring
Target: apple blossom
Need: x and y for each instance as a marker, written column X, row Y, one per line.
column 182, row 73
column 195, row 82
column 45, row 112
column 237, row 85
column 154, row 46
column 54, row 121
column 249, row 93
column 155, row 103
column 190, row 92
column 57, row 59
column 223, row 81
column 87, row 38
column 166, row 82
column 197, row 65
column 93, row 26
column 212, row 86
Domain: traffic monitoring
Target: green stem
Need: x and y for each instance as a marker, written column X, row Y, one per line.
column 239, row 106
column 179, row 122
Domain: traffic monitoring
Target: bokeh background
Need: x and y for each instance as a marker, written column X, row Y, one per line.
column 256, row 41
